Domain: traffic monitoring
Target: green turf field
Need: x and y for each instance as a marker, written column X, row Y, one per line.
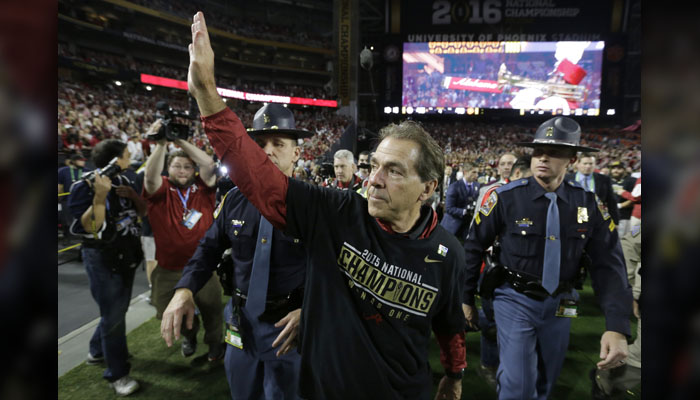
column 165, row 375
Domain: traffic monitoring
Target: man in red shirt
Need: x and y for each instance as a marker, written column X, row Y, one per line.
column 180, row 210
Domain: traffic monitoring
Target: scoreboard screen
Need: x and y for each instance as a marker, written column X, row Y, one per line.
column 468, row 77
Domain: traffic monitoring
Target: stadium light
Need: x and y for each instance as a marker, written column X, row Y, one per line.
column 117, row 83
column 409, row 110
column 611, row 111
column 149, row 88
column 395, row 110
column 387, row 110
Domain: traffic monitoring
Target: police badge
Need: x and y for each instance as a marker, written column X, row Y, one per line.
column 582, row 215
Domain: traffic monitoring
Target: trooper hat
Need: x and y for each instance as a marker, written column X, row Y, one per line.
column 275, row 118
column 558, row 131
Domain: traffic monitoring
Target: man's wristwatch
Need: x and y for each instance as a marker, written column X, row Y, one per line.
column 455, row 375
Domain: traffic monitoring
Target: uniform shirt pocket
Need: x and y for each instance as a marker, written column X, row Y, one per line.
column 525, row 241
column 576, row 241
column 242, row 242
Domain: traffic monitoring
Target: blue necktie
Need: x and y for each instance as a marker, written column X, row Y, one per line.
column 552, row 247
column 257, row 287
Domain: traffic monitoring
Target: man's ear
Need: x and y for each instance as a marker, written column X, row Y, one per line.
column 297, row 154
column 428, row 190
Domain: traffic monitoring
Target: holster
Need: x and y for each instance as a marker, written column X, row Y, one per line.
column 494, row 276
column 225, row 272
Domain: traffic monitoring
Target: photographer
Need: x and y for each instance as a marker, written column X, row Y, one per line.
column 460, row 202
column 106, row 206
column 180, row 210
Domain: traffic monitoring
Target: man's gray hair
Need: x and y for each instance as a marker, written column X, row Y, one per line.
column 345, row 154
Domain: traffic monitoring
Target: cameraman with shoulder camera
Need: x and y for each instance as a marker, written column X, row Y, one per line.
column 106, row 206
column 180, row 210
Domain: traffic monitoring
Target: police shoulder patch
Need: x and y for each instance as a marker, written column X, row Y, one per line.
column 602, row 208
column 221, row 204
column 512, row 185
column 489, row 204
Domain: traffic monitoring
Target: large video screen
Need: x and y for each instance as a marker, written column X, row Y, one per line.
column 453, row 77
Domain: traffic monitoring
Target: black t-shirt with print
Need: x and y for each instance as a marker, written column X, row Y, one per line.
column 371, row 298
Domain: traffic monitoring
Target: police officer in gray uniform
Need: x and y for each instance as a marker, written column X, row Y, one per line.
column 544, row 224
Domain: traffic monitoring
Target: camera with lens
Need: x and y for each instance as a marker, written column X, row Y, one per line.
column 172, row 127
column 364, row 166
column 110, row 170
column 327, row 170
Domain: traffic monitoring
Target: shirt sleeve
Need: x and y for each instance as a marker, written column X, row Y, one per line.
column 453, row 351
column 482, row 233
column 247, row 162
column 203, row 262
column 450, row 317
column 158, row 194
column 609, row 274
column 307, row 205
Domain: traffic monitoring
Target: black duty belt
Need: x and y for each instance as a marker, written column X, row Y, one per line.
column 276, row 306
column 532, row 287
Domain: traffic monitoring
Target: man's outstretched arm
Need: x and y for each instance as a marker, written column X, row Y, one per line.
column 245, row 159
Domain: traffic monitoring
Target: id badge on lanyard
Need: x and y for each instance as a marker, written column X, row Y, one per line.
column 190, row 217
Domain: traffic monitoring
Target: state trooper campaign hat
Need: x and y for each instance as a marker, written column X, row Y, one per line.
column 558, row 131
column 275, row 118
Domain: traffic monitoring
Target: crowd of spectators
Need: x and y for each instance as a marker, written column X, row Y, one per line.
column 483, row 143
column 128, row 63
column 88, row 113
column 248, row 27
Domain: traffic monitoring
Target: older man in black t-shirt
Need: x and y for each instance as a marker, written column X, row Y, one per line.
column 382, row 274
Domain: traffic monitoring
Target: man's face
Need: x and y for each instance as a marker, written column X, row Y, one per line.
column 363, row 159
column 282, row 151
column 549, row 162
column 585, row 165
column 124, row 161
column 505, row 164
column 395, row 186
column 617, row 172
column 471, row 174
column 344, row 169
column 181, row 171
column 448, row 170
column 79, row 163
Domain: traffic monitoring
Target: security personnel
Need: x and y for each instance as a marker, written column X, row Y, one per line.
column 544, row 223
column 264, row 261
